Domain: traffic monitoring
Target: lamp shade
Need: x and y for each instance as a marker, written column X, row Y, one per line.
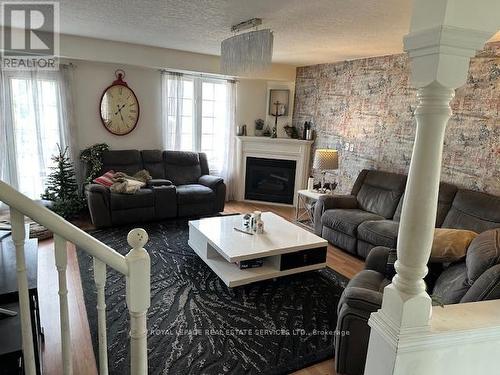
column 326, row 159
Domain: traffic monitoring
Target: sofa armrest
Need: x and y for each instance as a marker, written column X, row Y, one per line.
column 96, row 188
column 98, row 199
column 218, row 186
column 158, row 182
column 210, row 181
column 327, row 202
column 362, row 299
column 377, row 259
column 353, row 332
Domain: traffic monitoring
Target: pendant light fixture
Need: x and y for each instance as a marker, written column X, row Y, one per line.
column 247, row 53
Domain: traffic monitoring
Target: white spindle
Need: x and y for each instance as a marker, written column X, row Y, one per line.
column 138, row 299
column 18, row 237
column 61, row 254
column 136, row 267
column 100, row 282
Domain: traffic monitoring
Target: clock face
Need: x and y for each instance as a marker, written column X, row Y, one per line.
column 119, row 109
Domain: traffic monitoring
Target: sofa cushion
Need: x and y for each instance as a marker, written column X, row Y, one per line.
column 106, row 179
column 194, row 193
column 482, row 254
column 452, row 284
column 379, row 232
column 445, row 198
column 181, row 167
column 127, row 161
column 381, row 192
column 450, row 245
column 347, row 220
column 142, row 198
column 153, row 163
column 473, row 210
column 340, row 240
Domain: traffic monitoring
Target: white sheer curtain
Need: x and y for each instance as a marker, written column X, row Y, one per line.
column 172, row 95
column 36, row 116
column 198, row 114
column 228, row 171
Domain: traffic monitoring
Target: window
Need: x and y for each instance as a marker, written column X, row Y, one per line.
column 33, row 129
column 197, row 115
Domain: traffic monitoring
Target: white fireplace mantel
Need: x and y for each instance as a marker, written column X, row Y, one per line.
column 273, row 148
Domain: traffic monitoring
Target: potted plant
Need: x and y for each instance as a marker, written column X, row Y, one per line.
column 259, row 127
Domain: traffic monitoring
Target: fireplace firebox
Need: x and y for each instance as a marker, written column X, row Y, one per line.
column 270, row 180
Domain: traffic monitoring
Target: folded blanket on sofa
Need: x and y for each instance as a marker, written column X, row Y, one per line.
column 125, row 184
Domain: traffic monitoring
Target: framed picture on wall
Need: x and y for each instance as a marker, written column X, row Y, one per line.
column 279, row 102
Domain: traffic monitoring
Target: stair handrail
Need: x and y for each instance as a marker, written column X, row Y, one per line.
column 135, row 266
column 56, row 224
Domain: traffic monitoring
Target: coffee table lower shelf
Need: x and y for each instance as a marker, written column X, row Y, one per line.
column 233, row 276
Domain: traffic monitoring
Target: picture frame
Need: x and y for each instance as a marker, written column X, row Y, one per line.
column 281, row 96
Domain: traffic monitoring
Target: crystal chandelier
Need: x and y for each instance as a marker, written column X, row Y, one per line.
column 247, row 53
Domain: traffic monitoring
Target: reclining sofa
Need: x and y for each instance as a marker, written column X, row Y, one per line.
column 181, row 187
column 370, row 215
column 475, row 278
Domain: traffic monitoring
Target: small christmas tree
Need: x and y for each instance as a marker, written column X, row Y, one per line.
column 62, row 188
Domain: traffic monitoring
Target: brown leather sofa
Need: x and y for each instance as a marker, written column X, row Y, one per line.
column 370, row 215
column 181, row 187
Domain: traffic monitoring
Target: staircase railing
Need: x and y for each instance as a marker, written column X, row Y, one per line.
column 135, row 266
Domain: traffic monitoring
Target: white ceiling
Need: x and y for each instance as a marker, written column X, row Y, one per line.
column 306, row 31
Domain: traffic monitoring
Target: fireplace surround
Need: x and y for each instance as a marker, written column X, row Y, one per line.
column 280, row 152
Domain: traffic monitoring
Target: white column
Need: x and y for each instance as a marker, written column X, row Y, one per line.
column 100, row 282
column 138, row 299
column 444, row 34
column 18, row 238
column 61, row 255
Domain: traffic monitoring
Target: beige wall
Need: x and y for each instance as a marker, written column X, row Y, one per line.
column 96, row 61
column 91, row 78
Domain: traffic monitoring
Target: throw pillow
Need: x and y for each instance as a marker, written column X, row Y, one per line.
column 106, row 179
column 450, row 245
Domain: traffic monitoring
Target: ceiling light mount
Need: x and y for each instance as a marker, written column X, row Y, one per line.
column 245, row 25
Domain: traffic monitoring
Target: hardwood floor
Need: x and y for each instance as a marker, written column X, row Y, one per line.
column 83, row 356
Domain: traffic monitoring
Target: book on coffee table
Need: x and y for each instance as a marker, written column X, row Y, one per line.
column 251, row 263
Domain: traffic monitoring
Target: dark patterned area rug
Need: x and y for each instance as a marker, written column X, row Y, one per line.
column 197, row 325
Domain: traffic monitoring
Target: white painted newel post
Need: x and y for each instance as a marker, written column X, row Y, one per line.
column 18, row 237
column 138, row 299
column 444, row 34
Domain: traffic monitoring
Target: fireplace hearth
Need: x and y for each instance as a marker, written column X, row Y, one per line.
column 270, row 180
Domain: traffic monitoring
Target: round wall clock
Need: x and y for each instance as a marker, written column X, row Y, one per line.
column 119, row 107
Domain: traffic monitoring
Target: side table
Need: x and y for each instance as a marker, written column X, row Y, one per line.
column 304, row 211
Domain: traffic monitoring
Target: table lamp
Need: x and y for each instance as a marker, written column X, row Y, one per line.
column 325, row 160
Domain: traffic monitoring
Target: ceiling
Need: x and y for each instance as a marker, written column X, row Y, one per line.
column 306, row 31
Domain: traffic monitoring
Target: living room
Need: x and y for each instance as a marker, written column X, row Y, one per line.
column 260, row 188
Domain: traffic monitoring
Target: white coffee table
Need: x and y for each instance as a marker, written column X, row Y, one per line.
column 286, row 248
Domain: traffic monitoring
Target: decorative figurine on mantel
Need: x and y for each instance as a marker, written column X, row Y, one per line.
column 259, row 127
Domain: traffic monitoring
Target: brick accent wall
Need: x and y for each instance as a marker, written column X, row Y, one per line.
column 370, row 103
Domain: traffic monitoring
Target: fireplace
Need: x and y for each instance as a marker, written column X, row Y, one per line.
column 270, row 180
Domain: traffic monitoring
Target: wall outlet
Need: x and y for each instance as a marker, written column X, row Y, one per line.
column 346, row 146
column 351, row 148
